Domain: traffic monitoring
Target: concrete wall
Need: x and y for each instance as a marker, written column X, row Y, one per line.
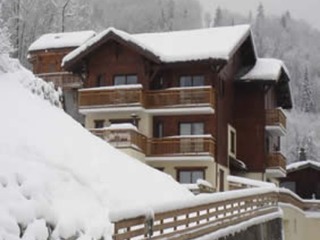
column 298, row 225
column 271, row 230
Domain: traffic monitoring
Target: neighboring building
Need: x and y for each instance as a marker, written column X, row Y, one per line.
column 303, row 178
column 46, row 55
column 194, row 104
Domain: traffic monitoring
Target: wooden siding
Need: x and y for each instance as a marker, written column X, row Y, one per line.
column 113, row 59
column 48, row 61
column 307, row 182
column 250, row 125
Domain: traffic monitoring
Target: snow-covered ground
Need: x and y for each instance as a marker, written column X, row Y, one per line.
column 55, row 175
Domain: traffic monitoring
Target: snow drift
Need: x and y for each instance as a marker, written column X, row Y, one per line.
column 56, row 178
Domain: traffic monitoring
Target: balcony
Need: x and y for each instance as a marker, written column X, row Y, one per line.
column 276, row 122
column 182, row 100
column 122, row 138
column 62, row 79
column 182, row 146
column 276, row 165
column 114, row 98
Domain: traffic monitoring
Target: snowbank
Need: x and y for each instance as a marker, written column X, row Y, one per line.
column 55, row 175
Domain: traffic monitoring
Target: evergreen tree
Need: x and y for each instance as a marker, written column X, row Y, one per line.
column 307, row 103
column 218, row 17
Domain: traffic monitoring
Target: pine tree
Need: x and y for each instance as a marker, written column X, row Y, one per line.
column 218, row 17
column 307, row 103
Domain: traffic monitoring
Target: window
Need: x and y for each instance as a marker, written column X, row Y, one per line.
column 196, row 128
column 125, row 79
column 159, row 130
column 232, row 141
column 191, row 81
column 100, row 81
column 289, row 185
column 98, row 123
column 190, row 175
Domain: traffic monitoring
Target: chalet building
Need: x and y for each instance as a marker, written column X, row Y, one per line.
column 195, row 104
column 303, row 178
column 46, row 55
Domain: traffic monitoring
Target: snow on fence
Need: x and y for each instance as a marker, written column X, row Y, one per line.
column 198, row 220
column 62, row 79
column 288, row 197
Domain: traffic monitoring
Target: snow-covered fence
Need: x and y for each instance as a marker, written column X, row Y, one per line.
column 288, row 197
column 202, row 217
column 62, row 79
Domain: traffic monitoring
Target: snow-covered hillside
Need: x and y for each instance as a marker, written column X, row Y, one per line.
column 55, row 175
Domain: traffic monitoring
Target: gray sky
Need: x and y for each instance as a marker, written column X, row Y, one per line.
column 309, row 10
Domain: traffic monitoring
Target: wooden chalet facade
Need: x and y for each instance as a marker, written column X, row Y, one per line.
column 303, row 178
column 46, row 55
column 200, row 103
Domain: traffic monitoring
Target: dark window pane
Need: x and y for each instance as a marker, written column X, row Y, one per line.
column 132, row 79
column 197, row 175
column 98, row 123
column 185, row 176
column 198, row 80
column 100, row 80
column 119, row 80
column 185, row 81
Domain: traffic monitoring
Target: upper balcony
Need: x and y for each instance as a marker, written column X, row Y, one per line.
column 62, row 79
column 182, row 100
column 276, row 122
column 170, row 101
column 114, row 98
column 276, row 165
column 175, row 146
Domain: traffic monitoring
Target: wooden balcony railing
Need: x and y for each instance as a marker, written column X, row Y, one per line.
column 123, row 138
column 288, row 197
column 276, row 117
column 181, row 145
column 276, row 160
column 62, row 79
column 201, row 219
column 111, row 96
column 176, row 97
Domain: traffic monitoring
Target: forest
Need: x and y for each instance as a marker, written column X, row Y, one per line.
column 283, row 37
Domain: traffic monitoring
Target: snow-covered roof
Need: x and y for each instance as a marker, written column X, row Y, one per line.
column 55, row 173
column 266, row 69
column 302, row 164
column 178, row 46
column 61, row 40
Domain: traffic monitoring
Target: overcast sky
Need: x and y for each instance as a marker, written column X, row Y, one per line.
column 309, row 10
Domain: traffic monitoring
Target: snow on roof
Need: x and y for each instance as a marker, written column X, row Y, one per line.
column 53, row 171
column 189, row 45
column 266, row 69
column 302, row 164
column 61, row 40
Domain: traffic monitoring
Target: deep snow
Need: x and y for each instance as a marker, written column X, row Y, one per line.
column 54, row 172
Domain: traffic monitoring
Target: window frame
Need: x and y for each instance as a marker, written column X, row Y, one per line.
column 192, row 128
column 232, row 141
column 192, row 80
column 126, row 77
column 190, row 170
column 97, row 122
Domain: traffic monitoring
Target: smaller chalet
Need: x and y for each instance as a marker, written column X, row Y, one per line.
column 46, row 54
column 303, row 178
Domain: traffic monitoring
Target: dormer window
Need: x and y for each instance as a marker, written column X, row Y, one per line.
column 125, row 79
column 191, row 80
